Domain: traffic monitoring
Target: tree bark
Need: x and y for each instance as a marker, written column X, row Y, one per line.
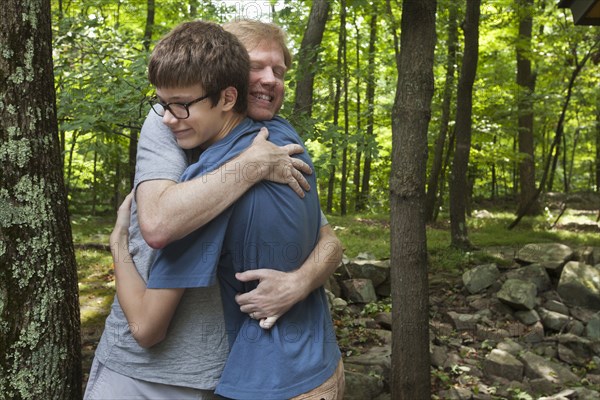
column 597, row 161
column 344, row 171
column 370, row 97
column 150, row 7
column 307, row 58
column 411, row 114
column 361, row 140
column 526, row 84
column 464, row 105
column 433, row 187
column 336, row 107
column 39, row 308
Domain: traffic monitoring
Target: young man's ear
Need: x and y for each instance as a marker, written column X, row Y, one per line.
column 229, row 98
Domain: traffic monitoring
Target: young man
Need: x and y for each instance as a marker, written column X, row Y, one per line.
column 202, row 65
column 189, row 361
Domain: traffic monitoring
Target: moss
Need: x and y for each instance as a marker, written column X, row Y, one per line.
column 16, row 152
column 17, row 77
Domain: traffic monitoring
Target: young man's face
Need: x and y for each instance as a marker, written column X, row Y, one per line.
column 267, row 72
column 205, row 124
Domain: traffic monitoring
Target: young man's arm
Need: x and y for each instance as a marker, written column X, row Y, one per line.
column 148, row 311
column 278, row 291
column 169, row 211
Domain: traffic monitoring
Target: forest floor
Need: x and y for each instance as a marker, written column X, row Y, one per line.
column 576, row 225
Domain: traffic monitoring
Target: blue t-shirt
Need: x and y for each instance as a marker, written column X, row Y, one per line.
column 268, row 227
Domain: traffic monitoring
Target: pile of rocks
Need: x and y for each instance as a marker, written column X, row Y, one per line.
column 530, row 328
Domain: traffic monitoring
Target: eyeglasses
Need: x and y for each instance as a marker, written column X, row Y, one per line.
column 178, row 110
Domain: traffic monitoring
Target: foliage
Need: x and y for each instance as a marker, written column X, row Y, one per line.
column 101, row 86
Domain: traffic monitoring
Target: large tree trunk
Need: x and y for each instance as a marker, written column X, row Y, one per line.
column 40, row 356
column 411, row 114
column 307, row 58
column 464, row 107
column 433, row 187
column 526, row 84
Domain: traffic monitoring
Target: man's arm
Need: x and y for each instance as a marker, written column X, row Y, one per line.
column 168, row 211
column 278, row 291
column 148, row 311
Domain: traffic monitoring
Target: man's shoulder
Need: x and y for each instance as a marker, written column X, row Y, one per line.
column 280, row 128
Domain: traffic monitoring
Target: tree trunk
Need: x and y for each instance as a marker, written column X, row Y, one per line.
column 39, row 308
column 94, row 181
column 344, row 172
column 411, row 114
column 370, row 97
column 572, row 160
column 597, row 161
column 74, row 136
column 464, row 105
column 431, row 200
column 361, row 140
column 565, row 162
column 150, row 7
column 336, row 106
column 553, row 151
column 307, row 58
column 526, row 84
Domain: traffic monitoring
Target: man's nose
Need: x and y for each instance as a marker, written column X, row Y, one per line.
column 267, row 75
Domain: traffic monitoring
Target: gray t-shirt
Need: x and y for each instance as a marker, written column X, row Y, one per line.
column 195, row 349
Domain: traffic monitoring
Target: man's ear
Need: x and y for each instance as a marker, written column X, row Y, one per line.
column 229, row 98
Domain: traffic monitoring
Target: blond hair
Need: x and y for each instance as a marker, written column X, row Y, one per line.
column 252, row 32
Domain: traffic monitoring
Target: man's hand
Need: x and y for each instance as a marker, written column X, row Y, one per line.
column 277, row 164
column 275, row 294
column 120, row 233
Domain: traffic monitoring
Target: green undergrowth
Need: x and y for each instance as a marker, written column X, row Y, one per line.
column 371, row 234
column 359, row 234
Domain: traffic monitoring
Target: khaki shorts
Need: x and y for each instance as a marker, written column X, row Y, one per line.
column 105, row 384
column 331, row 389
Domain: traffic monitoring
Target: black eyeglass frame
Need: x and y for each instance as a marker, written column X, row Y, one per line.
column 154, row 100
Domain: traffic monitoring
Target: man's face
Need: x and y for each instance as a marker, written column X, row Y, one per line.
column 204, row 125
column 267, row 72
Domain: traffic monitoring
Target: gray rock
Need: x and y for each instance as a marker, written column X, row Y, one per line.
column 480, row 277
column 518, row 294
column 592, row 329
column 503, row 364
column 545, row 253
column 556, row 306
column 552, row 320
column 359, row 290
column 534, row 273
column 528, row 317
column 537, row 367
column 361, row 386
column 510, row 346
column 579, row 285
column 375, row 270
column 464, row 322
column 384, row 319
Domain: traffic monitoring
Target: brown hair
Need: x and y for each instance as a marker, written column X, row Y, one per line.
column 201, row 52
column 251, row 33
